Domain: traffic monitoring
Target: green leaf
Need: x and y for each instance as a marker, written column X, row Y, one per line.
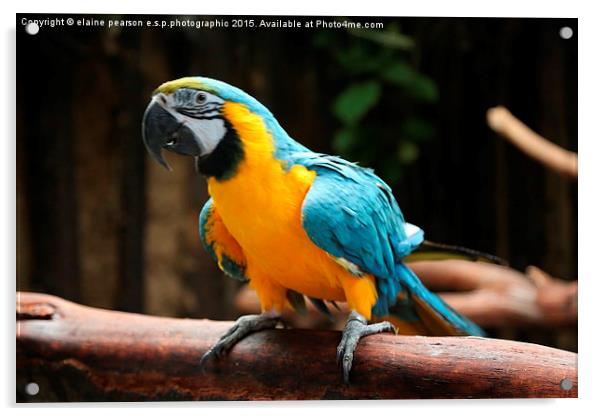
column 355, row 59
column 359, row 59
column 387, row 38
column 391, row 170
column 323, row 38
column 417, row 129
column 407, row 152
column 398, row 73
column 423, row 88
column 344, row 141
column 417, row 85
column 353, row 103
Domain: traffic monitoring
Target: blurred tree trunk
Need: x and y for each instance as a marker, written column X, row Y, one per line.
column 52, row 210
column 559, row 215
column 132, row 187
column 97, row 181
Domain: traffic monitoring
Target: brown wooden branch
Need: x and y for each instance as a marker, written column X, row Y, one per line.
column 532, row 144
column 492, row 296
column 498, row 296
column 78, row 353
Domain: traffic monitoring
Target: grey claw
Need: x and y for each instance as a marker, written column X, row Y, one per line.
column 243, row 327
column 347, row 363
column 206, row 357
column 341, row 348
column 217, row 351
column 356, row 328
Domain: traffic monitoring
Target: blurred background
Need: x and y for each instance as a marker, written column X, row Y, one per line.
column 100, row 224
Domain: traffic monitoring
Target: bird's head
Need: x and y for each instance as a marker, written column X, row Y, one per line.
column 186, row 116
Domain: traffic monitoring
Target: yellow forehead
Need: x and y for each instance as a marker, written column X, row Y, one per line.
column 187, row 82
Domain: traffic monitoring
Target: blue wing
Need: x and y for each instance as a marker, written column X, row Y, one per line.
column 352, row 214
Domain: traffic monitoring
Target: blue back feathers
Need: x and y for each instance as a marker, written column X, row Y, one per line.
column 351, row 213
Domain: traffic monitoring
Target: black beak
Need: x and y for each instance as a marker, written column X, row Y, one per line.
column 162, row 130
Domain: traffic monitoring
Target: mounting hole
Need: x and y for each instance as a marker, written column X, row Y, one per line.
column 566, row 384
column 566, row 32
column 32, row 28
column 32, row 389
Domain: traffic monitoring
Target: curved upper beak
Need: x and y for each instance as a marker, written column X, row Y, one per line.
column 163, row 129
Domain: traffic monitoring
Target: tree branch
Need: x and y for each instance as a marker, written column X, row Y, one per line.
column 532, row 144
column 498, row 296
column 77, row 353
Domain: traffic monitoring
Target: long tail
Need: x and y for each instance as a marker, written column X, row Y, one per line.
column 419, row 311
column 429, row 250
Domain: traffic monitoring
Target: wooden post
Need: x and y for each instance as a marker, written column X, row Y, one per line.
column 78, row 353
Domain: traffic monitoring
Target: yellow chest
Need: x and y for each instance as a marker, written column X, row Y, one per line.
column 264, row 216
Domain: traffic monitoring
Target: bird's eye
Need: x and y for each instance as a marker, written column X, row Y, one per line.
column 201, row 98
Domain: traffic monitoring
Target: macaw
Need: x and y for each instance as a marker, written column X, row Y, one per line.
column 294, row 223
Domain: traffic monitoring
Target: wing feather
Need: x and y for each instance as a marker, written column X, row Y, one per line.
column 352, row 214
column 220, row 244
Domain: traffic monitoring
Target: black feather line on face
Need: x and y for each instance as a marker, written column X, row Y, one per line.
column 215, row 116
column 223, row 162
column 201, row 113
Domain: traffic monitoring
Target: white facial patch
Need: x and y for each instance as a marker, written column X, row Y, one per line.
column 209, row 132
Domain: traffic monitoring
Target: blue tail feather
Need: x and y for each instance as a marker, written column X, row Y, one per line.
column 416, row 288
column 408, row 282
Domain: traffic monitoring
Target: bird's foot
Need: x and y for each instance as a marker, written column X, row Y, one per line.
column 356, row 328
column 242, row 327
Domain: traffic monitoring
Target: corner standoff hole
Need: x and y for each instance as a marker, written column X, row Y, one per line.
column 32, row 28
column 32, row 389
column 566, row 384
column 566, row 32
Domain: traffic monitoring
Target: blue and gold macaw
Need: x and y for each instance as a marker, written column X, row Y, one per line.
column 292, row 222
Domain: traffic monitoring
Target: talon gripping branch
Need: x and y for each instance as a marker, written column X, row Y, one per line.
column 296, row 224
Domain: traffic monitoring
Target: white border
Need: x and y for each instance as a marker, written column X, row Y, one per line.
column 590, row 211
